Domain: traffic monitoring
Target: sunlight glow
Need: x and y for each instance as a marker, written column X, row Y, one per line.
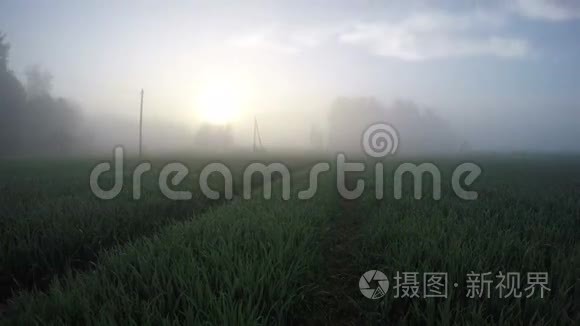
column 219, row 102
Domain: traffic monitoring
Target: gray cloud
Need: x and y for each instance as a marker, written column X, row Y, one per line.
column 415, row 37
column 435, row 35
column 554, row 10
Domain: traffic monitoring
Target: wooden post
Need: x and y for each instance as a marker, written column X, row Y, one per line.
column 141, row 126
column 257, row 136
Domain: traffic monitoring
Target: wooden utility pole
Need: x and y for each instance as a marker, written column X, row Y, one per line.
column 257, row 136
column 141, row 126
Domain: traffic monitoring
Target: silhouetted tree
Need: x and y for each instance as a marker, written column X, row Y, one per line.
column 32, row 121
column 38, row 82
column 50, row 125
column 349, row 117
column 12, row 102
column 316, row 137
column 4, row 49
column 417, row 131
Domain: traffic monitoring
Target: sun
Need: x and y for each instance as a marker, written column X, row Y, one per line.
column 219, row 102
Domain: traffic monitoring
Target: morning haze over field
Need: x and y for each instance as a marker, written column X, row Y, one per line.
column 290, row 162
column 499, row 75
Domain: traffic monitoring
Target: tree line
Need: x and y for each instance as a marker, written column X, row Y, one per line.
column 32, row 120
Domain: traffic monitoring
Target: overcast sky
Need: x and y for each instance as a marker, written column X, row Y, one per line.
column 510, row 65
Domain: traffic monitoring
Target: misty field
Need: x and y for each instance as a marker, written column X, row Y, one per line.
column 67, row 257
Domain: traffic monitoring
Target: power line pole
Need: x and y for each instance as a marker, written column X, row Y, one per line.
column 257, row 135
column 254, row 134
column 141, row 126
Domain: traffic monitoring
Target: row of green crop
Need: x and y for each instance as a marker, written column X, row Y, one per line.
column 51, row 222
column 525, row 220
column 251, row 262
column 268, row 252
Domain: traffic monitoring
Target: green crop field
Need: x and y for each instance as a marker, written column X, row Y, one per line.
column 290, row 163
column 67, row 257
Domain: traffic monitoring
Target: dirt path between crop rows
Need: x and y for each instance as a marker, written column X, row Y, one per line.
column 336, row 300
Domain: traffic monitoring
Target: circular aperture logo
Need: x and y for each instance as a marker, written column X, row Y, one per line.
column 373, row 284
